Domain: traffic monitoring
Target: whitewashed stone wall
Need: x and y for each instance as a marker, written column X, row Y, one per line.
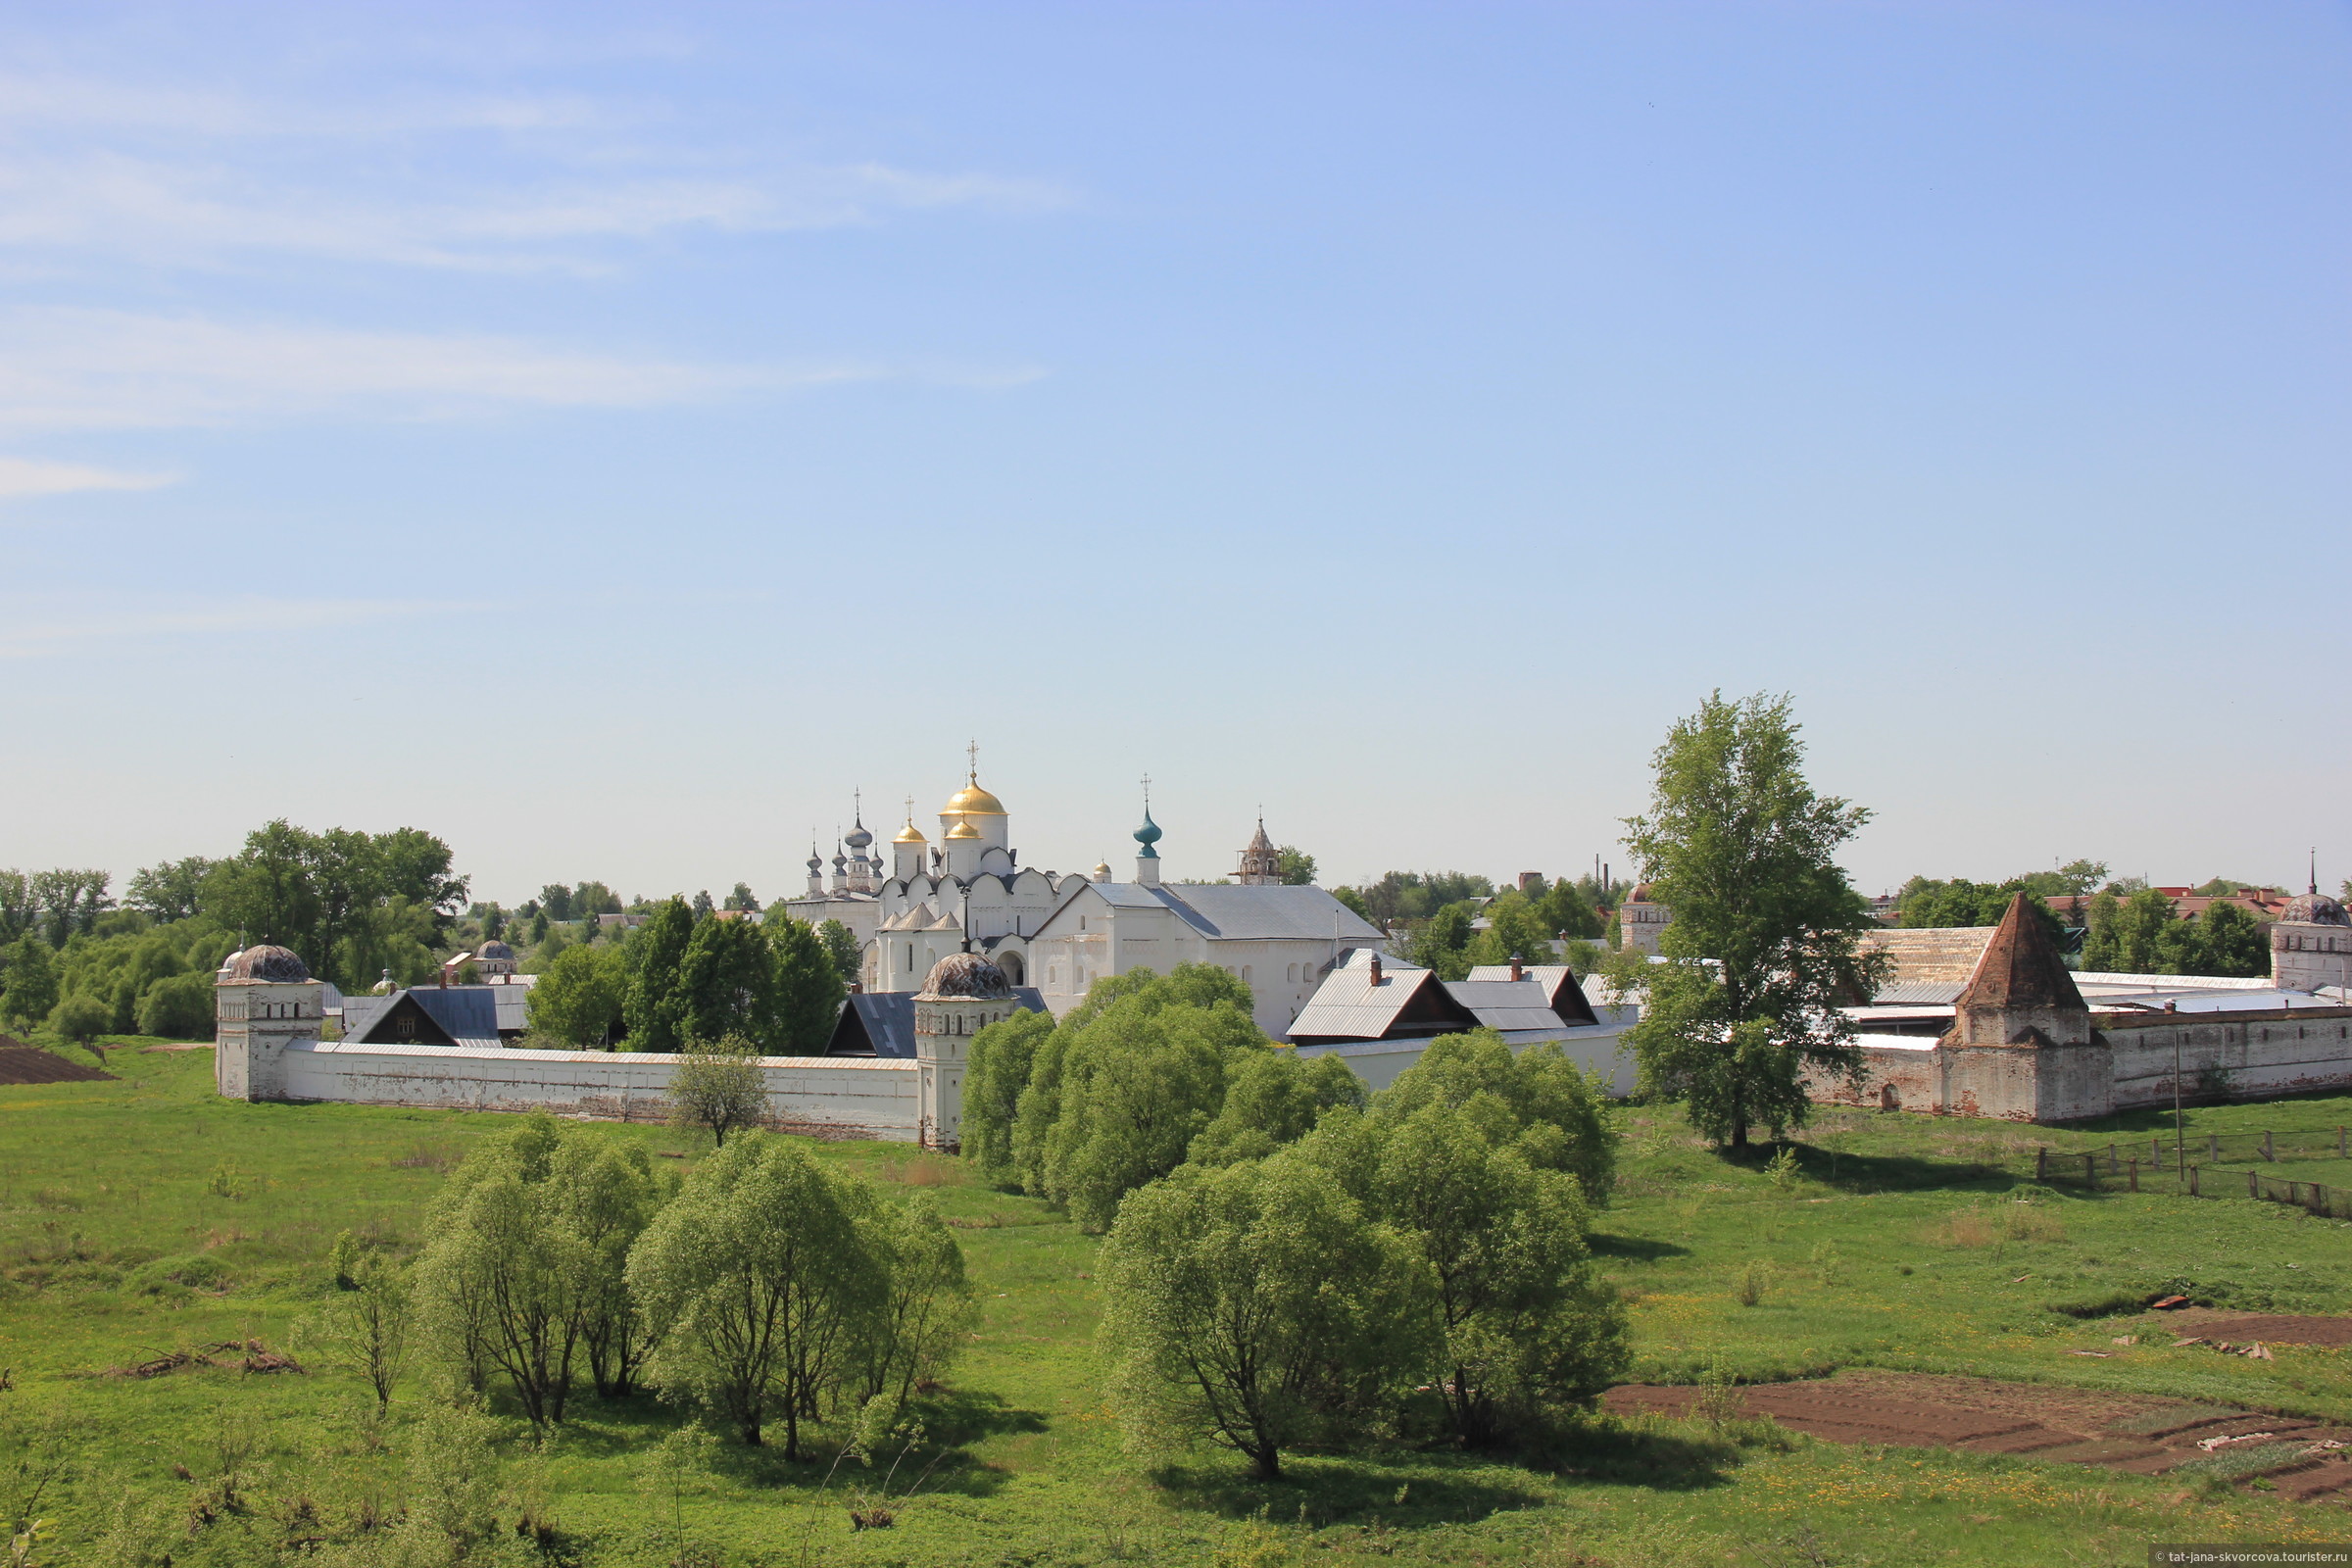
column 838, row 1095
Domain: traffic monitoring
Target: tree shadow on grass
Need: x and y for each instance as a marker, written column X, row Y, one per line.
column 1640, row 1248
column 1404, row 1491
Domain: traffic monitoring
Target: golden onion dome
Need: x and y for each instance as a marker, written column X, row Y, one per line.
column 963, row 830
column 910, row 834
column 972, row 800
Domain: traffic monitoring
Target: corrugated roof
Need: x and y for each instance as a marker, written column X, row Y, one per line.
column 1505, row 1004
column 888, row 1017
column 1561, row 993
column 1348, row 1005
column 1922, row 992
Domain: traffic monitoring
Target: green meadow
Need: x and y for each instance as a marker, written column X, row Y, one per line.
column 145, row 1216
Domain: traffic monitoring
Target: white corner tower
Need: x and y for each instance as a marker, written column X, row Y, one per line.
column 263, row 1000
column 962, row 995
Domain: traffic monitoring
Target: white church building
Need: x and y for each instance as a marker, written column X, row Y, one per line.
column 1060, row 932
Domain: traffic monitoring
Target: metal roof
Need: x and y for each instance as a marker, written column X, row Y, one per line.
column 1561, row 993
column 1505, row 1004
column 465, row 1013
column 887, row 1020
column 1347, row 1005
column 1232, row 913
column 1922, row 992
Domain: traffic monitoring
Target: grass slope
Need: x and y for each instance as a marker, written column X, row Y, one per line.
column 1894, row 1243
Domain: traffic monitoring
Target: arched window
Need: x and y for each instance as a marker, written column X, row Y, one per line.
column 1289, row 973
column 1244, row 974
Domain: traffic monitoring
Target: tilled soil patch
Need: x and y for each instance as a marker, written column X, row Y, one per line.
column 30, row 1064
column 2309, row 1460
column 2259, row 1327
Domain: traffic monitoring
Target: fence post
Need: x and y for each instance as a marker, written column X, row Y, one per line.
column 2136, row 1173
column 2041, row 1164
column 2213, row 1147
column 2253, row 1184
column 2267, row 1151
column 2192, row 1180
column 2339, row 1145
column 2112, row 1167
column 2091, row 1168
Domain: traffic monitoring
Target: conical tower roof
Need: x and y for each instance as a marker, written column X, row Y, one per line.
column 2021, row 967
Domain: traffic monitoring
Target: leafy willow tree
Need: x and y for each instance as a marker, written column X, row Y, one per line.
column 1258, row 1307
column 718, row 1085
column 726, row 983
column 1295, row 867
column 170, row 890
column 763, row 1285
column 1764, row 947
column 1933, row 904
column 1537, row 1102
column 80, row 1019
column 1416, row 895
column 1272, row 1097
column 351, row 904
column 927, row 1307
column 997, row 1069
column 1524, row 1330
column 526, row 1268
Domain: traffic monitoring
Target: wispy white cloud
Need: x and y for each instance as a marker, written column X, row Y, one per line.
column 72, row 369
column 186, row 177
column 29, row 476
column 24, row 637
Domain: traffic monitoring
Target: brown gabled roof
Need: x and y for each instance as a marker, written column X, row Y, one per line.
column 2021, row 966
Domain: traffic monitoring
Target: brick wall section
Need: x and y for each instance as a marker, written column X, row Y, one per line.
column 2236, row 1055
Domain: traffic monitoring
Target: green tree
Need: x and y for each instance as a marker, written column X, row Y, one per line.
column 703, row 906
column 840, row 948
column 996, row 1071
column 761, row 1283
column 1515, row 928
column 657, row 1004
column 1527, row 1332
column 1272, row 1097
column 1138, row 1083
column 1928, row 905
column 177, row 1008
column 500, row 1277
column 1536, row 1102
column 173, row 889
column 1255, row 1307
column 2231, row 940
column 555, row 902
column 727, row 983
column 718, row 1085
column 80, row 1019
column 365, row 1328
column 741, row 899
column 2131, row 935
column 581, row 997
column 606, row 1195
column 1295, row 865
column 1566, row 909
column 1444, row 943
column 809, row 988
column 1764, row 947
column 927, row 1308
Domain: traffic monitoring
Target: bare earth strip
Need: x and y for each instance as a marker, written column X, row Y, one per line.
column 2134, row 1433
column 30, row 1064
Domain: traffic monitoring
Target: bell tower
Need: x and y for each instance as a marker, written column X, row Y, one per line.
column 962, row 995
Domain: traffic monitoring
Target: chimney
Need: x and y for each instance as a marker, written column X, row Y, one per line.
column 1375, row 968
column 1517, row 973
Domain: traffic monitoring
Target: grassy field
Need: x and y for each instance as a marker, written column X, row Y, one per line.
column 144, row 1215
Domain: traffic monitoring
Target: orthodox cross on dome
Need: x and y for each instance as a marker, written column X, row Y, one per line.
column 973, row 751
column 1146, row 794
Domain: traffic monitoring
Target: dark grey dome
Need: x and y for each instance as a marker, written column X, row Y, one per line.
column 966, row 974
column 495, row 950
column 264, row 964
column 2314, row 908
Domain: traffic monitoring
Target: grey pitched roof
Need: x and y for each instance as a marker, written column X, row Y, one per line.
column 511, row 1004
column 1561, row 993
column 1347, row 1005
column 883, row 1021
column 1506, row 1004
column 1231, row 912
column 465, row 1013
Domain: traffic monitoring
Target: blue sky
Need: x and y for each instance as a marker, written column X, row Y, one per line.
column 608, row 436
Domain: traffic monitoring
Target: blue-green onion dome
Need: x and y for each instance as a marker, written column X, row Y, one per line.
column 1148, row 834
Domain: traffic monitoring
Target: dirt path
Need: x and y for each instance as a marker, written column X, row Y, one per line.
column 2309, row 1460
column 2258, row 1328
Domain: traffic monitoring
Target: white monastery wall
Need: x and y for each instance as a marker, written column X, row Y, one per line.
column 846, row 1095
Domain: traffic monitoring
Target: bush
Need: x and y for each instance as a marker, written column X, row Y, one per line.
column 177, row 1008
column 82, row 1020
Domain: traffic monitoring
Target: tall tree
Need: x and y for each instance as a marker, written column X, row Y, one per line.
column 1764, row 947
column 28, row 983
column 809, row 988
column 1295, row 865
column 727, row 983
column 720, row 1085
column 581, row 997
column 656, row 1007
column 841, row 949
column 1515, row 929
column 170, row 890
